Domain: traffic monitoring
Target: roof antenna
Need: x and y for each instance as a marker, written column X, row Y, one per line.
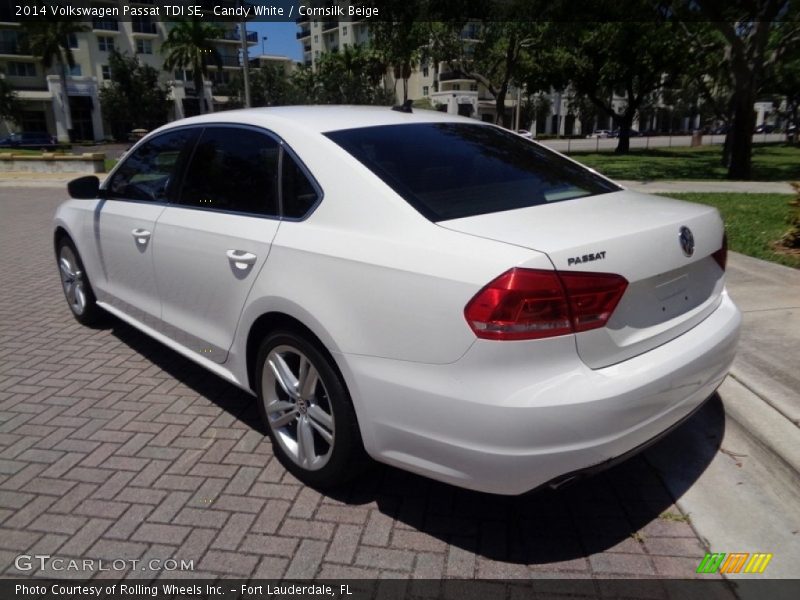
column 405, row 107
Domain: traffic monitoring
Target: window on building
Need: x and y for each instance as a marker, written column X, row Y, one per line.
column 456, row 86
column 344, row 30
column 425, row 71
column 316, row 39
column 146, row 173
column 75, row 71
column 72, row 40
column 144, row 46
column 106, row 70
column 105, row 43
column 21, row 69
column 425, row 90
column 473, row 87
column 298, row 193
column 233, row 169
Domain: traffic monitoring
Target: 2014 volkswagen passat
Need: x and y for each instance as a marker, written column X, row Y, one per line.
column 431, row 291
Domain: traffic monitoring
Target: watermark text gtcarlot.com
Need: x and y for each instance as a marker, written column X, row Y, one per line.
column 45, row 562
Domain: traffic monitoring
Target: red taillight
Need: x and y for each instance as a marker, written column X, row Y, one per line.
column 721, row 255
column 525, row 304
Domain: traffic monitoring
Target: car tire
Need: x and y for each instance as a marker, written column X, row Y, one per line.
column 307, row 411
column 75, row 283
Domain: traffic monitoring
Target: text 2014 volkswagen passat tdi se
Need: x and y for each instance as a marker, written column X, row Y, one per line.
column 431, row 291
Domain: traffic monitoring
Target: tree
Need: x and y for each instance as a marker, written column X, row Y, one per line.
column 399, row 37
column 621, row 58
column 753, row 36
column 49, row 41
column 133, row 98
column 190, row 45
column 350, row 76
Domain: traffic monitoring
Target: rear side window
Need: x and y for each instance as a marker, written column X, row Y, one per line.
column 298, row 193
column 147, row 174
column 454, row 170
column 233, row 169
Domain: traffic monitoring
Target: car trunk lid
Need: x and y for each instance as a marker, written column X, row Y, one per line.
column 633, row 235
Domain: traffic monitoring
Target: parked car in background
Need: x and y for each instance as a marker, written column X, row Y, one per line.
column 765, row 128
column 600, row 133
column 525, row 133
column 633, row 133
column 29, row 141
column 425, row 289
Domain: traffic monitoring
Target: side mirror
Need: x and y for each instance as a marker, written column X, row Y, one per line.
column 84, row 188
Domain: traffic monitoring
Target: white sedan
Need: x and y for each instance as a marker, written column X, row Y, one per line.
column 430, row 291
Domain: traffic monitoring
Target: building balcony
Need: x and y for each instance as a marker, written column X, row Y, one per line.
column 16, row 48
column 306, row 47
column 303, row 34
column 303, row 19
column 105, row 24
column 329, row 24
column 144, row 27
column 456, row 76
column 230, row 60
column 233, row 35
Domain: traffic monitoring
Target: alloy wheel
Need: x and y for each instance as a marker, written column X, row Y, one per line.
column 298, row 407
column 72, row 279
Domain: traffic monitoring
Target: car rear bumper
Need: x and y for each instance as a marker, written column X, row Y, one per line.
column 510, row 416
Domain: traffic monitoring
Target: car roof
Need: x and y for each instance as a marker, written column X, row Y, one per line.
column 321, row 119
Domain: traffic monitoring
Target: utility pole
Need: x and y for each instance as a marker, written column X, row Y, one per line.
column 245, row 62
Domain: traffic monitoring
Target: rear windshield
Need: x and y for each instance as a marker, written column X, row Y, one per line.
column 454, row 170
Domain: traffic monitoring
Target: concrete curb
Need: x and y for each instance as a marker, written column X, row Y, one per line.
column 766, row 427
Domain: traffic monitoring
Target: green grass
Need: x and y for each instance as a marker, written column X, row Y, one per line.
column 109, row 164
column 21, row 152
column 753, row 222
column 770, row 163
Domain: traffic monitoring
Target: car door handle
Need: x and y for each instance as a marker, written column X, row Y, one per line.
column 241, row 259
column 141, row 236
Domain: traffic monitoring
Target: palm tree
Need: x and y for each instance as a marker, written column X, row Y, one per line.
column 190, row 45
column 49, row 41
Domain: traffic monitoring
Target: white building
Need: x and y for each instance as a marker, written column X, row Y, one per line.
column 40, row 92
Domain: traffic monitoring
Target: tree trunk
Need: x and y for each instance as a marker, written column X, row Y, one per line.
column 726, row 149
column 500, row 107
column 67, row 109
column 200, row 91
column 625, row 121
column 741, row 135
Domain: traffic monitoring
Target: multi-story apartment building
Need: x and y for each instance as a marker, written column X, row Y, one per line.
column 40, row 90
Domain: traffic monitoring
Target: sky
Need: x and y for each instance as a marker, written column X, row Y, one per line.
column 281, row 39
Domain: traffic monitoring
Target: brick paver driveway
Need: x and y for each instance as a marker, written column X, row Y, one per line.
column 114, row 447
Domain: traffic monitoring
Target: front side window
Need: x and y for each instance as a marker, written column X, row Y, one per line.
column 233, row 169
column 148, row 173
column 454, row 170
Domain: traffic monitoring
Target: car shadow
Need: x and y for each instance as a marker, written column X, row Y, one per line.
column 592, row 515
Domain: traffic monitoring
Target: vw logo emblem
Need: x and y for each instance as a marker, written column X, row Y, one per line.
column 686, row 240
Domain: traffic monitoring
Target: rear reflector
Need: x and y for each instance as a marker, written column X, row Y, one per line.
column 721, row 255
column 526, row 304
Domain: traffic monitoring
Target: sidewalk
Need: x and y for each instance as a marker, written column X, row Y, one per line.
column 766, row 364
column 675, row 187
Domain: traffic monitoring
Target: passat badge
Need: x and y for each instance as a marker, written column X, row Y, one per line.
column 686, row 240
